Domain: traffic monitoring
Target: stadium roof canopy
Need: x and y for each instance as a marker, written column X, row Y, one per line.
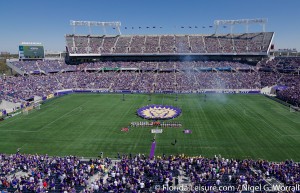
column 89, row 24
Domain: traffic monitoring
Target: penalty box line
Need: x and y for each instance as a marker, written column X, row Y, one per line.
column 67, row 113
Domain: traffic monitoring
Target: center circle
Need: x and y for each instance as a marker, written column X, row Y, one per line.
column 158, row 112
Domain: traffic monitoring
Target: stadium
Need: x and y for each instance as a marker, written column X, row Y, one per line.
column 151, row 113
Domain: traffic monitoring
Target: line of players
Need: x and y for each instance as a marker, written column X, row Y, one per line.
column 156, row 123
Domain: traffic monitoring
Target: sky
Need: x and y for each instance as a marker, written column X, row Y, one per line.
column 47, row 21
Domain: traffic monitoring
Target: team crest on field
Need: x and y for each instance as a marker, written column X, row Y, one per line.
column 158, row 112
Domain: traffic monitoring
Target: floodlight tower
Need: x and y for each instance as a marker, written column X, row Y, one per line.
column 246, row 22
column 116, row 25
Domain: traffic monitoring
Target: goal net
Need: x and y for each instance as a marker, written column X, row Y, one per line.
column 34, row 106
column 292, row 109
column 37, row 106
column 25, row 112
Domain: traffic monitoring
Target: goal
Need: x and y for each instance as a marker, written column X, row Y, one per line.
column 292, row 109
column 25, row 112
column 37, row 106
column 31, row 107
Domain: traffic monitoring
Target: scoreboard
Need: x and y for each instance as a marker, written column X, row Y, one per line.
column 31, row 51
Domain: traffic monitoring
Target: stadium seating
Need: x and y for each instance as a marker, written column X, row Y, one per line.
column 45, row 66
column 137, row 173
column 185, row 76
column 170, row 44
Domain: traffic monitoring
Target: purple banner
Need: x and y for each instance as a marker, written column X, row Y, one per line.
column 152, row 150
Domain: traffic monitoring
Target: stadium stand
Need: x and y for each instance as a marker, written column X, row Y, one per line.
column 137, row 173
column 187, row 76
column 169, row 44
column 45, row 66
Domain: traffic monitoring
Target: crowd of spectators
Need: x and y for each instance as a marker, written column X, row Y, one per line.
column 137, row 44
column 151, row 44
column 282, row 64
column 52, row 66
column 167, row 44
column 292, row 93
column 122, row 44
column 42, row 173
column 182, row 44
column 150, row 76
column 282, row 71
column 268, row 78
column 138, row 173
column 43, row 66
column 25, row 87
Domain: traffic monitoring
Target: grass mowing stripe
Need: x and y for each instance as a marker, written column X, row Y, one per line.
column 237, row 126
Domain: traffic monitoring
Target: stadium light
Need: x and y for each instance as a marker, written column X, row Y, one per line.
column 115, row 24
column 246, row 22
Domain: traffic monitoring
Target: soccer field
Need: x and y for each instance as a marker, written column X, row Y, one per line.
column 235, row 126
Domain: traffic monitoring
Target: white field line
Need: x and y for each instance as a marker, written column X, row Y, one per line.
column 297, row 122
column 260, row 119
column 23, row 117
column 45, row 126
column 10, row 121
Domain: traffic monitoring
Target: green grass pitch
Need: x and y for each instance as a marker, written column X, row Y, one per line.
column 235, row 126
